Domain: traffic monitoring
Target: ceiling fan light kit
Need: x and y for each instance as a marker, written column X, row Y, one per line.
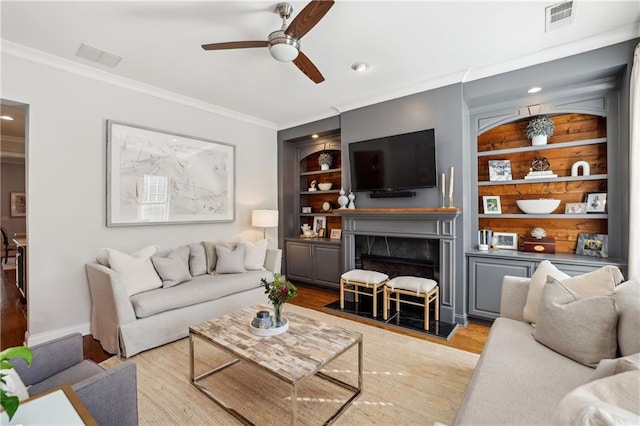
column 284, row 44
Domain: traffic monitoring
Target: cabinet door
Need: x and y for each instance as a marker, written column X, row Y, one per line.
column 327, row 268
column 485, row 283
column 299, row 261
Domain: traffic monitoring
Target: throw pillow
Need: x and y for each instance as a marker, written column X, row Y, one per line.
column 609, row 401
column 211, row 254
column 174, row 268
column 627, row 298
column 538, row 279
column 230, row 261
column 138, row 273
column 609, row 367
column 254, row 255
column 13, row 384
column 197, row 259
column 581, row 329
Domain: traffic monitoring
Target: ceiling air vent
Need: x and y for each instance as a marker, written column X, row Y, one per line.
column 559, row 15
column 98, row 55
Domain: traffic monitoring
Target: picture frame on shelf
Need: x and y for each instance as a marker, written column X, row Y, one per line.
column 18, row 204
column 499, row 170
column 491, row 204
column 596, row 245
column 575, row 208
column 596, row 202
column 321, row 233
column 306, row 209
column 336, row 234
column 506, row 240
column 319, row 222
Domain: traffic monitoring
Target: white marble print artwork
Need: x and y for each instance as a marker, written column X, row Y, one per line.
column 157, row 177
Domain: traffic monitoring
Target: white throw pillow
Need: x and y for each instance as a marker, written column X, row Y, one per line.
column 254, row 255
column 138, row 273
column 538, row 280
column 627, row 297
column 230, row 261
column 14, row 385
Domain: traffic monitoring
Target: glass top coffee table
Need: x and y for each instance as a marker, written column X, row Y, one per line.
column 291, row 357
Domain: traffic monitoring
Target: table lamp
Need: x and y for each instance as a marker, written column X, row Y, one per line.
column 264, row 219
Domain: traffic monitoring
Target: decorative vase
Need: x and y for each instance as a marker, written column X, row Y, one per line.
column 351, row 198
column 342, row 199
column 278, row 314
column 539, row 140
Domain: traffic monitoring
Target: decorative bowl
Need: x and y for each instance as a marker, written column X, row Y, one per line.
column 325, row 186
column 539, row 206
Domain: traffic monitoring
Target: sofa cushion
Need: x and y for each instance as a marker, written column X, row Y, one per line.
column 200, row 289
column 538, row 280
column 210, row 253
column 174, row 267
column 627, row 298
column 13, row 384
column 230, row 261
column 583, row 329
column 609, row 367
column 197, row 259
column 609, row 401
column 138, row 273
column 254, row 254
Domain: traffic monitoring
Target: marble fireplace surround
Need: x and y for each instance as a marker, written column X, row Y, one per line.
column 426, row 223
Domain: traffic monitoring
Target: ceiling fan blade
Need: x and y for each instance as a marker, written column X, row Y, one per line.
column 308, row 18
column 235, row 45
column 306, row 66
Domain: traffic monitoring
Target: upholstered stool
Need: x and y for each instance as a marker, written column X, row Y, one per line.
column 352, row 281
column 412, row 286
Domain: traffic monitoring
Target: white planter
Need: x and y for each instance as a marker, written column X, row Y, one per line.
column 539, row 140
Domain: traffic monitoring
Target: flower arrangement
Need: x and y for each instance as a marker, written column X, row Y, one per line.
column 279, row 291
column 325, row 160
column 8, row 401
column 539, row 126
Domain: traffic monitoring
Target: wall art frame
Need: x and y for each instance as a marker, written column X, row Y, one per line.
column 155, row 177
column 18, row 204
column 499, row 170
column 596, row 245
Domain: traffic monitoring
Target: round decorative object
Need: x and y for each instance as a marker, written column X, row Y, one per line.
column 272, row 331
column 538, row 233
column 540, row 126
column 326, row 206
column 539, row 206
column 342, row 199
column 325, row 186
column 540, row 164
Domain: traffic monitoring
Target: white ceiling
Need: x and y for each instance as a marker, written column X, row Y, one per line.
column 412, row 46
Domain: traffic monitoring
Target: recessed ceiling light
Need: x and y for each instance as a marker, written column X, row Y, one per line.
column 6, row 117
column 534, row 89
column 315, row 136
column 360, row 66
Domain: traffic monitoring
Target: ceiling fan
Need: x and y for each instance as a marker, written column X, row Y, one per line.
column 284, row 44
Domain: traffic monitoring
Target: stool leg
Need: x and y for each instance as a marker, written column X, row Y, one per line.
column 385, row 302
column 341, row 293
column 437, row 307
column 426, row 312
column 375, row 301
column 398, row 304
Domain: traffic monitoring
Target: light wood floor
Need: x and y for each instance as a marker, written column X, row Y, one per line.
column 14, row 323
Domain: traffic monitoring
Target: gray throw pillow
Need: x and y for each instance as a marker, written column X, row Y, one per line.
column 627, row 298
column 581, row 329
column 230, row 261
column 212, row 256
column 174, row 268
column 197, row 259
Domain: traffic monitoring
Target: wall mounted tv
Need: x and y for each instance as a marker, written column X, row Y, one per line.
column 394, row 163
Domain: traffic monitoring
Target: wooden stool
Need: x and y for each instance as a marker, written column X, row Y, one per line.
column 412, row 286
column 352, row 281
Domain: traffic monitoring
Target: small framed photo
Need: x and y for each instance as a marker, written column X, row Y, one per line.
column 306, row 209
column 319, row 222
column 336, row 234
column 596, row 245
column 491, row 204
column 499, row 170
column 575, row 208
column 18, row 204
column 596, row 202
column 506, row 240
column 321, row 233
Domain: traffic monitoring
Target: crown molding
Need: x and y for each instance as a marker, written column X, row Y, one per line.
column 47, row 59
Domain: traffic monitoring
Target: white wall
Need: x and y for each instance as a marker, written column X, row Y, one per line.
column 66, row 178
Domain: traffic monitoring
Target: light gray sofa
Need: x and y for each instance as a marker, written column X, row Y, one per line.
column 519, row 381
column 127, row 325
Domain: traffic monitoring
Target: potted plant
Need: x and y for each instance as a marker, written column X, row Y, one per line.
column 8, row 400
column 539, row 129
column 279, row 291
column 325, row 160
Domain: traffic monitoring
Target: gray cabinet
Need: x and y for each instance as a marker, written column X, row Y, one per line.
column 313, row 261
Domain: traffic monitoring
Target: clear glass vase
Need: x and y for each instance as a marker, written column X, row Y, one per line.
column 278, row 314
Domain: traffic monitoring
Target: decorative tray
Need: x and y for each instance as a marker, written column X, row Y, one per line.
column 273, row 331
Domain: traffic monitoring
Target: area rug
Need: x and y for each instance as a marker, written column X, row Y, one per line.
column 407, row 381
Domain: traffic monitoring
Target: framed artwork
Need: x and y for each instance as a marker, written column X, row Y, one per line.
column 18, row 204
column 319, row 222
column 575, row 208
column 596, row 202
column 491, row 204
column 506, row 240
column 155, row 177
column 499, row 170
column 596, row 245
column 336, row 234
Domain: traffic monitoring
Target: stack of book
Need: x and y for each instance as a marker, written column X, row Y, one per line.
column 545, row 174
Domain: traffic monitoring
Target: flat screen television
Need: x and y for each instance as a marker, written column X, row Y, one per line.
column 394, row 163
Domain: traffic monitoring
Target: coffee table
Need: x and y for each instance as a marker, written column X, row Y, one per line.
column 291, row 357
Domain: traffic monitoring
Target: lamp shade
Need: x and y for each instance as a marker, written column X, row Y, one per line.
column 264, row 218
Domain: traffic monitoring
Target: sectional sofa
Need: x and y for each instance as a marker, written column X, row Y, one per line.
column 147, row 299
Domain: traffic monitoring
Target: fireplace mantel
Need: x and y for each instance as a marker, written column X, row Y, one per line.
column 426, row 223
